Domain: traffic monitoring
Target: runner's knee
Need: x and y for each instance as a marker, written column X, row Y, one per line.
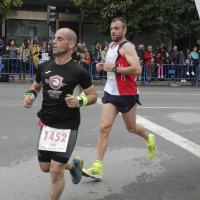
column 105, row 128
column 132, row 129
column 56, row 173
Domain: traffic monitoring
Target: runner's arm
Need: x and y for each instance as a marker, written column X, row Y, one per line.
column 128, row 51
column 91, row 95
column 36, row 87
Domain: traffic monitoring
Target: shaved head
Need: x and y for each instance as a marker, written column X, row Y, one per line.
column 70, row 34
column 64, row 41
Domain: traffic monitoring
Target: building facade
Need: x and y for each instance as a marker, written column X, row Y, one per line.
column 29, row 21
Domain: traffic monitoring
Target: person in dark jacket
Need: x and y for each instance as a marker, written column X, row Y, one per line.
column 96, row 57
column 11, row 50
column 140, row 53
column 1, row 52
column 174, row 56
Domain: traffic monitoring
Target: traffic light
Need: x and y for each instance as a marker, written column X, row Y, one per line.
column 51, row 13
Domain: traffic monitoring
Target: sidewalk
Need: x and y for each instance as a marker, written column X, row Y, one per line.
column 154, row 83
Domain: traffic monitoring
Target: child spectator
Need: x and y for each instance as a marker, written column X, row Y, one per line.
column 194, row 56
column 186, row 61
column 161, row 60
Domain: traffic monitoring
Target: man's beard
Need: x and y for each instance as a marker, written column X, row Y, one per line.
column 118, row 38
column 57, row 54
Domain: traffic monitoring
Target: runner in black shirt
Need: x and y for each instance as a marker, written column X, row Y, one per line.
column 60, row 114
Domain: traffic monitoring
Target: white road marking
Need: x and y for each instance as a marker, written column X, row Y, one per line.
column 141, row 93
column 192, row 108
column 168, row 135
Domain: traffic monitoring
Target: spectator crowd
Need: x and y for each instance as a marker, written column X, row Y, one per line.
column 160, row 65
column 156, row 65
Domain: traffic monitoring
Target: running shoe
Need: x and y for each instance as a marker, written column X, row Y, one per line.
column 76, row 174
column 188, row 73
column 193, row 73
column 151, row 145
column 94, row 172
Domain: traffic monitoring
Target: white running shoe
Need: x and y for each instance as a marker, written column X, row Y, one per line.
column 188, row 73
column 193, row 73
column 182, row 81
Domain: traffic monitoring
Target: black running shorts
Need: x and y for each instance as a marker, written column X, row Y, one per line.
column 61, row 157
column 123, row 103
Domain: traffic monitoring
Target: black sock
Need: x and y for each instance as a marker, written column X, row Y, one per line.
column 73, row 166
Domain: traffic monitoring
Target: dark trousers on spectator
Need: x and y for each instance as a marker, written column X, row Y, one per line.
column 183, row 71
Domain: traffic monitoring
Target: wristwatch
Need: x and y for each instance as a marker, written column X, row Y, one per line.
column 80, row 102
column 114, row 69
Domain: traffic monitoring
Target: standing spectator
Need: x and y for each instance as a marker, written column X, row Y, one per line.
column 174, row 59
column 11, row 50
column 104, row 53
column 96, row 57
column 35, row 53
column 140, row 53
column 76, row 56
column 1, row 52
column 174, row 56
column 24, row 53
column 187, row 61
column 161, row 61
column 149, row 57
column 100, row 47
column 194, row 57
column 83, row 54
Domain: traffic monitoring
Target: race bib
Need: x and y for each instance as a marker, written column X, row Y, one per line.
column 111, row 75
column 53, row 139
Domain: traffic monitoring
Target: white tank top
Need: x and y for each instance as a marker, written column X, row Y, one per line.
column 111, row 86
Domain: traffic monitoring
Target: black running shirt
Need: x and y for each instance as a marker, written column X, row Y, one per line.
column 57, row 82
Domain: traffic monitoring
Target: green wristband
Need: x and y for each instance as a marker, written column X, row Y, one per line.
column 85, row 100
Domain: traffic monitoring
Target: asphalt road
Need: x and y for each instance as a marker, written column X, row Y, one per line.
column 174, row 174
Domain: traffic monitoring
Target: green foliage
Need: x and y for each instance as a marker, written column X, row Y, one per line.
column 160, row 19
column 5, row 7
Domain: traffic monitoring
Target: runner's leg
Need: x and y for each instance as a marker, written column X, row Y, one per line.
column 108, row 115
column 57, row 180
column 45, row 166
column 131, row 125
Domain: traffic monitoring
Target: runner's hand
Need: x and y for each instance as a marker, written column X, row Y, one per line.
column 28, row 101
column 99, row 67
column 71, row 101
column 108, row 66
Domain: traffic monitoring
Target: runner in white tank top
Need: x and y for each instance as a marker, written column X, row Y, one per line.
column 121, row 94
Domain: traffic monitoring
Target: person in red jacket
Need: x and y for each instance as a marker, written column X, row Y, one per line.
column 149, row 58
column 161, row 60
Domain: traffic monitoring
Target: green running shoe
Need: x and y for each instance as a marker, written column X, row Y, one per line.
column 151, row 145
column 94, row 172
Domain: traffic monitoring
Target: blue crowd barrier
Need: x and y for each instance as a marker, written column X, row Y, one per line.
column 17, row 66
column 94, row 73
column 171, row 72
